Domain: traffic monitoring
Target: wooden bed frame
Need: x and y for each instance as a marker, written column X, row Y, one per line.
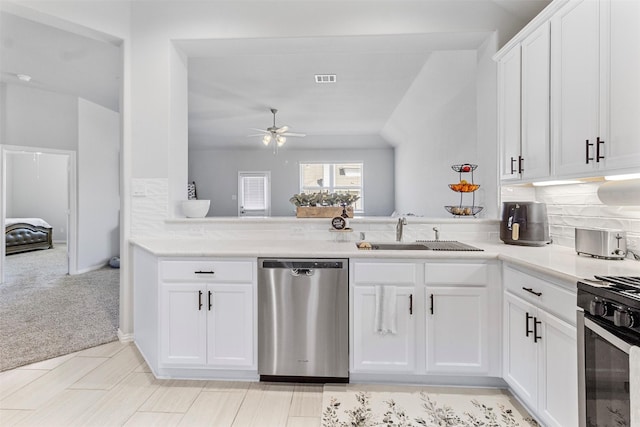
column 23, row 237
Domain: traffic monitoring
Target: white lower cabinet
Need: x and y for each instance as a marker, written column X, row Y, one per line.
column 194, row 317
column 457, row 325
column 371, row 351
column 444, row 324
column 207, row 324
column 375, row 352
column 461, row 324
column 540, row 353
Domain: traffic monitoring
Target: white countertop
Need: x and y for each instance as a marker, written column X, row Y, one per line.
column 558, row 261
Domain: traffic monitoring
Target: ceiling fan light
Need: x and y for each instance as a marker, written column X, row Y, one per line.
column 280, row 140
column 266, row 139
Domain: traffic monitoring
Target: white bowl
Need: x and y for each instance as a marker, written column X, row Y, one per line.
column 195, row 208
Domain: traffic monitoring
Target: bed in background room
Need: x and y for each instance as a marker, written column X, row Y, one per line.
column 27, row 234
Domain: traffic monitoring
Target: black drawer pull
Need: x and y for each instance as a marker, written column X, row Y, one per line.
column 205, row 272
column 210, row 305
column 431, row 308
column 531, row 291
column 512, row 168
column 199, row 300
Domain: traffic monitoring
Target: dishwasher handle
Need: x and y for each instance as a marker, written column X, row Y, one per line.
column 296, row 272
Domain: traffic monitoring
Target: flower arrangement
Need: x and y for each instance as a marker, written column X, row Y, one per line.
column 323, row 199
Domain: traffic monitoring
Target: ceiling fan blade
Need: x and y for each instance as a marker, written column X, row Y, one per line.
column 260, row 130
column 293, row 134
column 282, row 129
column 256, row 134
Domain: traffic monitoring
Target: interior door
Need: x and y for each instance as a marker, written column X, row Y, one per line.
column 254, row 194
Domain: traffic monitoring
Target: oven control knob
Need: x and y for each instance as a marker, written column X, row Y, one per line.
column 623, row 318
column 598, row 308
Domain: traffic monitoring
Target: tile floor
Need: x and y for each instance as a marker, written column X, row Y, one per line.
column 111, row 385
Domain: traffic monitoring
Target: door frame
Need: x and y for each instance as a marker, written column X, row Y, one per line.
column 72, row 216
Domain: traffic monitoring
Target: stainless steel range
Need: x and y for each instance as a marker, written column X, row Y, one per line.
column 608, row 330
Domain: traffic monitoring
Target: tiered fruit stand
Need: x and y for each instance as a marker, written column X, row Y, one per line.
column 462, row 187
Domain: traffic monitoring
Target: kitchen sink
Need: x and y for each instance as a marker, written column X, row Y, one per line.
column 447, row 245
column 421, row 245
column 398, row 247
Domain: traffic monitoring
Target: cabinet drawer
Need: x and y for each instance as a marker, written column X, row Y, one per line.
column 455, row 273
column 552, row 298
column 395, row 273
column 210, row 271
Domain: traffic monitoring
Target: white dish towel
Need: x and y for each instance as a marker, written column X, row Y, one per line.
column 385, row 317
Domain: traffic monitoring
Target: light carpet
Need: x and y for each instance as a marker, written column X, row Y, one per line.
column 418, row 406
column 46, row 313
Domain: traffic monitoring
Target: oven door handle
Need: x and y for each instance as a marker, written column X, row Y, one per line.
column 604, row 333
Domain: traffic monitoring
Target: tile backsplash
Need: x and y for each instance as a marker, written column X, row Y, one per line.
column 578, row 205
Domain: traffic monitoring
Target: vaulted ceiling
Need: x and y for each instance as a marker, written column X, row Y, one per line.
column 234, row 82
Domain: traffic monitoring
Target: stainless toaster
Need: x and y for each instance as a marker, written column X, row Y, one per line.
column 605, row 244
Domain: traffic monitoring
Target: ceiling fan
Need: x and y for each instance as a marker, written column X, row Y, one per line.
column 276, row 134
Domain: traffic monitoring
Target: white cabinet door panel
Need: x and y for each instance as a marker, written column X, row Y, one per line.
column 183, row 324
column 509, row 113
column 536, row 130
column 576, row 82
column 373, row 352
column 558, row 398
column 620, row 83
column 520, row 354
column 230, row 325
column 457, row 330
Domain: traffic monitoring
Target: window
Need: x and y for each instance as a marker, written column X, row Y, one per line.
column 333, row 178
column 254, row 194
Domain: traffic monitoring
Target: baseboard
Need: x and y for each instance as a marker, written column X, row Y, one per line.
column 91, row 268
column 122, row 337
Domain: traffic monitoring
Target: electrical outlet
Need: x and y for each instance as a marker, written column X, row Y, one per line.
column 139, row 189
column 234, row 197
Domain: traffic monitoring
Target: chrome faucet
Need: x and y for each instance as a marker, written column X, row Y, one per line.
column 399, row 228
column 437, row 230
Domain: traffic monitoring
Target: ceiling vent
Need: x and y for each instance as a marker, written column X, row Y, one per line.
column 325, row 78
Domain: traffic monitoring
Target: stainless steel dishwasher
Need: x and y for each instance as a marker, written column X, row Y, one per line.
column 303, row 320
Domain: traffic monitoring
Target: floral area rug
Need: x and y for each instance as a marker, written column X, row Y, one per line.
column 355, row 405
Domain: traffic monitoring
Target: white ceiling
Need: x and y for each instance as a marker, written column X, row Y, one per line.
column 234, row 82
column 59, row 61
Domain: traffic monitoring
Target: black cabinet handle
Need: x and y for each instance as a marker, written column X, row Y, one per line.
column 210, row 305
column 199, row 300
column 526, row 326
column 410, row 304
column 520, row 162
column 586, row 147
column 205, row 272
column 512, row 169
column 536, row 322
column 431, row 298
column 531, row 291
column 598, row 156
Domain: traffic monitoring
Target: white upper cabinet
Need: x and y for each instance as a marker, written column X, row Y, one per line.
column 509, row 113
column 535, row 145
column 595, row 87
column 523, row 100
column 621, row 83
column 576, row 76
